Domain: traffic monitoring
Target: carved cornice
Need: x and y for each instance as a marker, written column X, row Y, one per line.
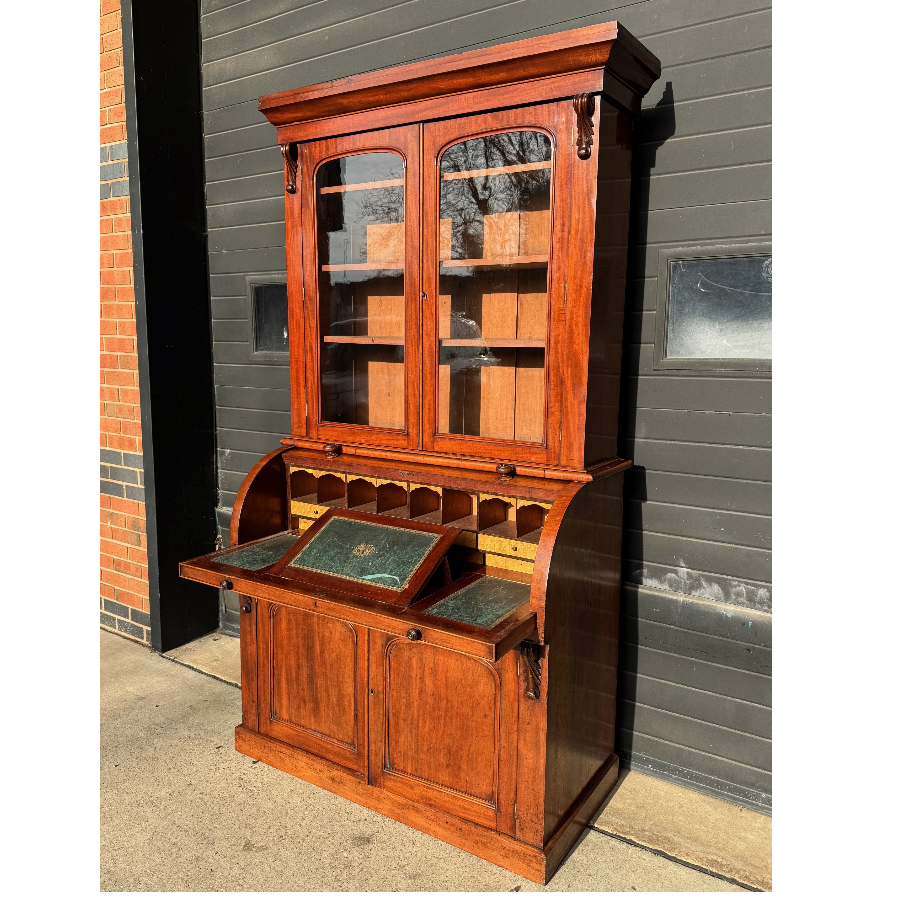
column 595, row 47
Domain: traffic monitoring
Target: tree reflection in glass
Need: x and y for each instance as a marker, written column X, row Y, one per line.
column 494, row 240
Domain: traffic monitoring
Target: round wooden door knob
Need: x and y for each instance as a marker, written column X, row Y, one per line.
column 505, row 471
column 248, row 606
column 413, row 633
column 226, row 584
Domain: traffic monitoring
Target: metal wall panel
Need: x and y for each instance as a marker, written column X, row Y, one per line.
column 695, row 697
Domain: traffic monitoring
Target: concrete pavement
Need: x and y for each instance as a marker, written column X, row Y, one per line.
column 181, row 810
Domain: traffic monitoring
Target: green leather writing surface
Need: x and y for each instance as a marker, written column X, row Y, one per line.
column 252, row 558
column 378, row 554
column 484, row 603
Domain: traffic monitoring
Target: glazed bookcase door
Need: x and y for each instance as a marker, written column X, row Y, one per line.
column 312, row 672
column 361, row 285
column 493, row 247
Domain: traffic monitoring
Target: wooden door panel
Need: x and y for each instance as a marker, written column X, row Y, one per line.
column 312, row 682
column 313, row 666
column 442, row 718
column 442, row 727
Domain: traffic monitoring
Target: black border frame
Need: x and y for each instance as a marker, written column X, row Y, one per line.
column 164, row 119
column 661, row 360
column 264, row 355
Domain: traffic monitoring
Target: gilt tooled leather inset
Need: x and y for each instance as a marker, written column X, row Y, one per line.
column 260, row 555
column 379, row 554
column 484, row 603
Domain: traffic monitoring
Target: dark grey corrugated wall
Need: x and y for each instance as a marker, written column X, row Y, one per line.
column 695, row 689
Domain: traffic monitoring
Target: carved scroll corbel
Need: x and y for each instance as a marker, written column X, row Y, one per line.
column 584, row 107
column 533, row 672
column 290, row 154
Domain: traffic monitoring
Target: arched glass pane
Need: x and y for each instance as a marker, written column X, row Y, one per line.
column 361, row 240
column 495, row 194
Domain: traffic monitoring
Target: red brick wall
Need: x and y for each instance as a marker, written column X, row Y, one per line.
column 124, row 592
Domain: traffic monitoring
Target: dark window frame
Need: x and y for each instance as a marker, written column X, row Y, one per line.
column 661, row 360
column 263, row 355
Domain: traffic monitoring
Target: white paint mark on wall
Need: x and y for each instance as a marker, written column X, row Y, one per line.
column 695, row 583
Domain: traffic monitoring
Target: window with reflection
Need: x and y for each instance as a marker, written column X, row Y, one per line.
column 494, row 241
column 361, row 242
column 270, row 318
column 719, row 308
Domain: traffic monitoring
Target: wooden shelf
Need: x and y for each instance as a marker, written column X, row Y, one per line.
column 364, row 267
column 502, row 170
column 498, row 262
column 377, row 341
column 365, row 185
column 466, row 523
column 507, row 530
column 428, row 517
column 497, row 342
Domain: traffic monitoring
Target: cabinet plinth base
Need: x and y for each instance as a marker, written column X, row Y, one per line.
column 532, row 862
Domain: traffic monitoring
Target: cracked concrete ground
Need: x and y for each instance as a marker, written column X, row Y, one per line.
column 182, row 810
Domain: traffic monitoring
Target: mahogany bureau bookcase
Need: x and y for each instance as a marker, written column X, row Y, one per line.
column 429, row 564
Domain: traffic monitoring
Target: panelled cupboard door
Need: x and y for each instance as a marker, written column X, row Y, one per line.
column 361, row 287
column 312, row 682
column 494, row 243
column 443, row 728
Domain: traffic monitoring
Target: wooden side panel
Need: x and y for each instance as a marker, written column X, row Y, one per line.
column 531, row 757
column 261, row 507
column 293, row 231
column 312, row 682
column 360, row 492
column 423, row 501
column 596, row 375
column 506, row 811
column 583, row 591
column 248, row 671
column 580, row 815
